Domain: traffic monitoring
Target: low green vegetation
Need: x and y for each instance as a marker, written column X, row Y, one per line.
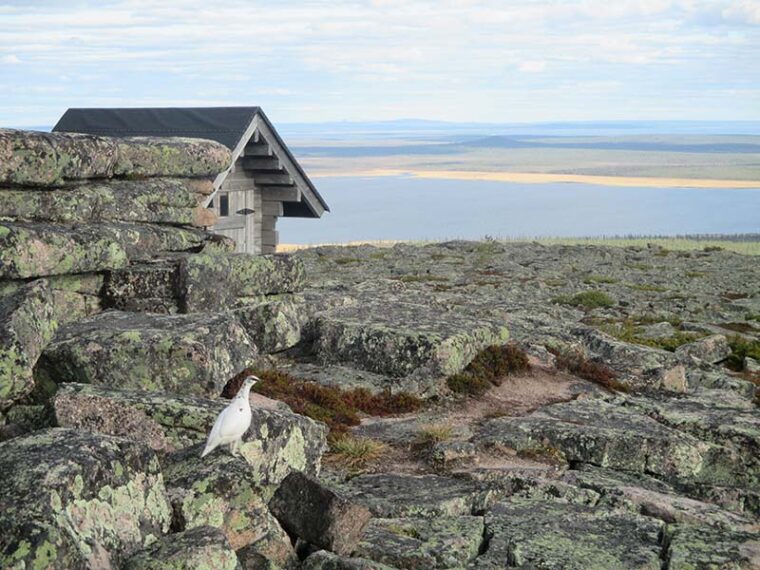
column 586, row 299
column 488, row 369
column 627, row 331
column 741, row 348
column 347, row 260
column 339, row 408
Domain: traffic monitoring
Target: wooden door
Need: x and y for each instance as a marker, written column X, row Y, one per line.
column 232, row 210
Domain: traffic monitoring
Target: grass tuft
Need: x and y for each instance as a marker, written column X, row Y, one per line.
column 430, row 434
column 626, row 331
column 353, row 453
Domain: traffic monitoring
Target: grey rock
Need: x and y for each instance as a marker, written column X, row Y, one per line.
column 690, row 546
column 318, row 515
column 421, row 544
column 391, row 495
column 324, row 560
column 222, row 491
column 711, row 349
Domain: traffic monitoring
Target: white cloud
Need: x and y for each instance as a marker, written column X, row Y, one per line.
column 532, row 66
column 11, row 59
column 743, row 11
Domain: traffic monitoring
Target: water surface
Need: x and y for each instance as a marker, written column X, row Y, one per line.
column 407, row 208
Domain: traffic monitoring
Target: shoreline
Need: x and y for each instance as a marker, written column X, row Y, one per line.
column 543, row 178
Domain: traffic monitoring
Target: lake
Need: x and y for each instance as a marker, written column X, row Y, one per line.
column 408, row 208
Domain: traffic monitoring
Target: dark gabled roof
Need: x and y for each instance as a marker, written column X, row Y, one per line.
column 226, row 125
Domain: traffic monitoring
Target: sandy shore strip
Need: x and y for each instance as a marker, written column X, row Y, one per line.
column 542, row 178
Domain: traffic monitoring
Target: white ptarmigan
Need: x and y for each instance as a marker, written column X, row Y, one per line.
column 233, row 421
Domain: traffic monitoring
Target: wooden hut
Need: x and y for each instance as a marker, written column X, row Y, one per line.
column 264, row 181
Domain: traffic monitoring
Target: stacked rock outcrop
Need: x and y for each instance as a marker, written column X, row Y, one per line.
column 121, row 321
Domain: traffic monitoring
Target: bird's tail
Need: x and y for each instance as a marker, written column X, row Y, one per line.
column 208, row 449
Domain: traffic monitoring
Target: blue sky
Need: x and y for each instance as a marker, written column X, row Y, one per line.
column 465, row 60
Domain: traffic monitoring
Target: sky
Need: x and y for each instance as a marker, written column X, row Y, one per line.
column 455, row 60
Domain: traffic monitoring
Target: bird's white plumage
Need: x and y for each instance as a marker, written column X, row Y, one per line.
column 233, row 421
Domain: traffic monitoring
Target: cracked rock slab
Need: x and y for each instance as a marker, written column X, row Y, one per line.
column 180, row 354
column 391, row 495
column 527, row 533
column 603, row 434
column 423, row 544
column 403, row 339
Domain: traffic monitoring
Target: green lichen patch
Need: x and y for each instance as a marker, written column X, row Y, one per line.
column 63, row 504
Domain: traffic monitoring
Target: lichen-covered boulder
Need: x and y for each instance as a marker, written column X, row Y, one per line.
column 692, row 546
column 711, row 349
column 393, row 495
column 603, row 434
column 244, row 275
column 157, row 200
column 274, row 325
column 182, row 354
column 545, row 534
column 163, row 156
column 37, row 158
column 637, row 366
column 422, row 544
column 73, row 499
column 277, row 443
column 42, row 249
column 200, row 548
column 27, row 323
column 222, row 491
column 49, row 159
column 32, row 250
column 403, row 339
